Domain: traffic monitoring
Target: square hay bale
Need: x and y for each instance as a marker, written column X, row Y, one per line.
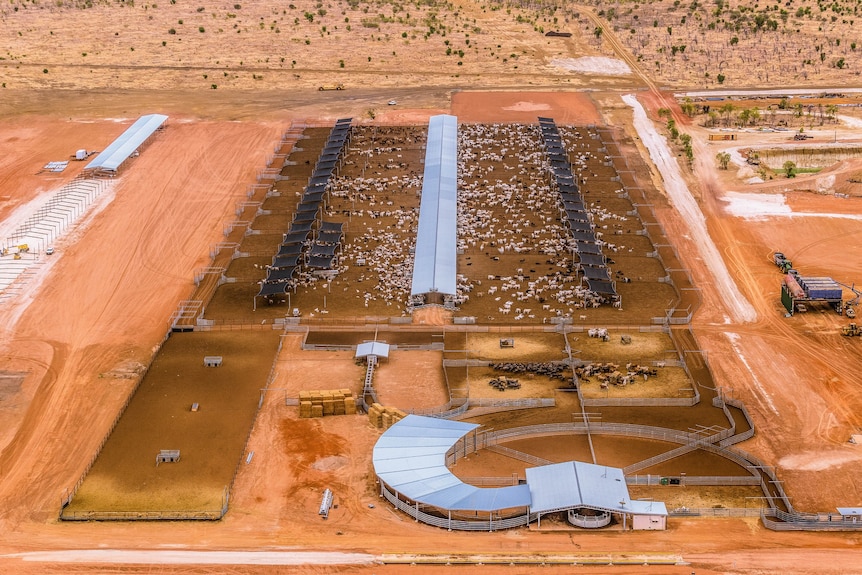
column 375, row 416
column 346, row 392
column 385, row 420
column 304, row 396
column 305, row 409
column 316, row 411
column 338, row 407
column 328, row 407
column 349, row 406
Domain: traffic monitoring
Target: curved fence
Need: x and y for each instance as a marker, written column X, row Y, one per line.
column 489, row 524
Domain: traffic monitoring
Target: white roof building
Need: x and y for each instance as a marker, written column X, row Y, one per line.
column 410, row 458
column 434, row 265
column 112, row 157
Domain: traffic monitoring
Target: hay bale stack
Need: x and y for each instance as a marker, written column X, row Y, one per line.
column 349, row 406
column 330, row 402
column 375, row 415
column 338, row 405
column 304, row 409
column 392, row 415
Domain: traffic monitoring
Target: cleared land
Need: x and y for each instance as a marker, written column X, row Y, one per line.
column 210, row 437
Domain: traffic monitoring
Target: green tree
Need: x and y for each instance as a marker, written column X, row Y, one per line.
column 723, row 159
column 688, row 107
column 727, row 111
column 789, row 167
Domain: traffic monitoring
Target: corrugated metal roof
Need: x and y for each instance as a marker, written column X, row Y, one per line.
column 377, row 348
column 120, row 149
column 577, row 484
column 434, row 265
column 648, row 508
column 410, row 457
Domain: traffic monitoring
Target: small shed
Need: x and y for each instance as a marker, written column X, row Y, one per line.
column 168, row 456
column 648, row 515
column 378, row 348
column 212, row 360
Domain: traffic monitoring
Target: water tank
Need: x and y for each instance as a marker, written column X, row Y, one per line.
column 81, row 154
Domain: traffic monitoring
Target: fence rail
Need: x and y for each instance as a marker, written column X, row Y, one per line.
column 489, row 524
column 778, row 520
column 69, row 494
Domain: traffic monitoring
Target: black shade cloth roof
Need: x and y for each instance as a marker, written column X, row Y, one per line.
column 596, row 273
column 589, row 248
column 280, row 274
column 319, row 262
column 592, row 259
column 286, row 261
column 296, row 237
column 574, row 206
column 288, row 250
column 601, row 287
column 326, row 250
column 584, row 236
column 574, row 216
column 305, row 217
column 580, row 226
column 327, row 237
column 307, row 206
column 313, row 197
column 331, row 226
column 300, row 227
column 273, row 289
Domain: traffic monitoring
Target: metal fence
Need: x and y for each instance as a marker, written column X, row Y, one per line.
column 778, row 520
column 699, row 480
column 70, row 493
column 489, row 524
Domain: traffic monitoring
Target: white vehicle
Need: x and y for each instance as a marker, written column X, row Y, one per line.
column 392, row 102
column 49, row 251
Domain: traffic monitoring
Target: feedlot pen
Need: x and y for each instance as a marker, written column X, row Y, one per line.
column 516, row 275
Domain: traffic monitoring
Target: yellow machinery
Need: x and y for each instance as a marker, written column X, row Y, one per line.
column 851, row 330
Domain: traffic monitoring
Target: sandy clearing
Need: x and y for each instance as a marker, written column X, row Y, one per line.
column 598, row 65
column 734, row 342
column 740, row 308
column 761, row 206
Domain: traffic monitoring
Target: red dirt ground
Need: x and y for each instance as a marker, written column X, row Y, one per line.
column 110, row 295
